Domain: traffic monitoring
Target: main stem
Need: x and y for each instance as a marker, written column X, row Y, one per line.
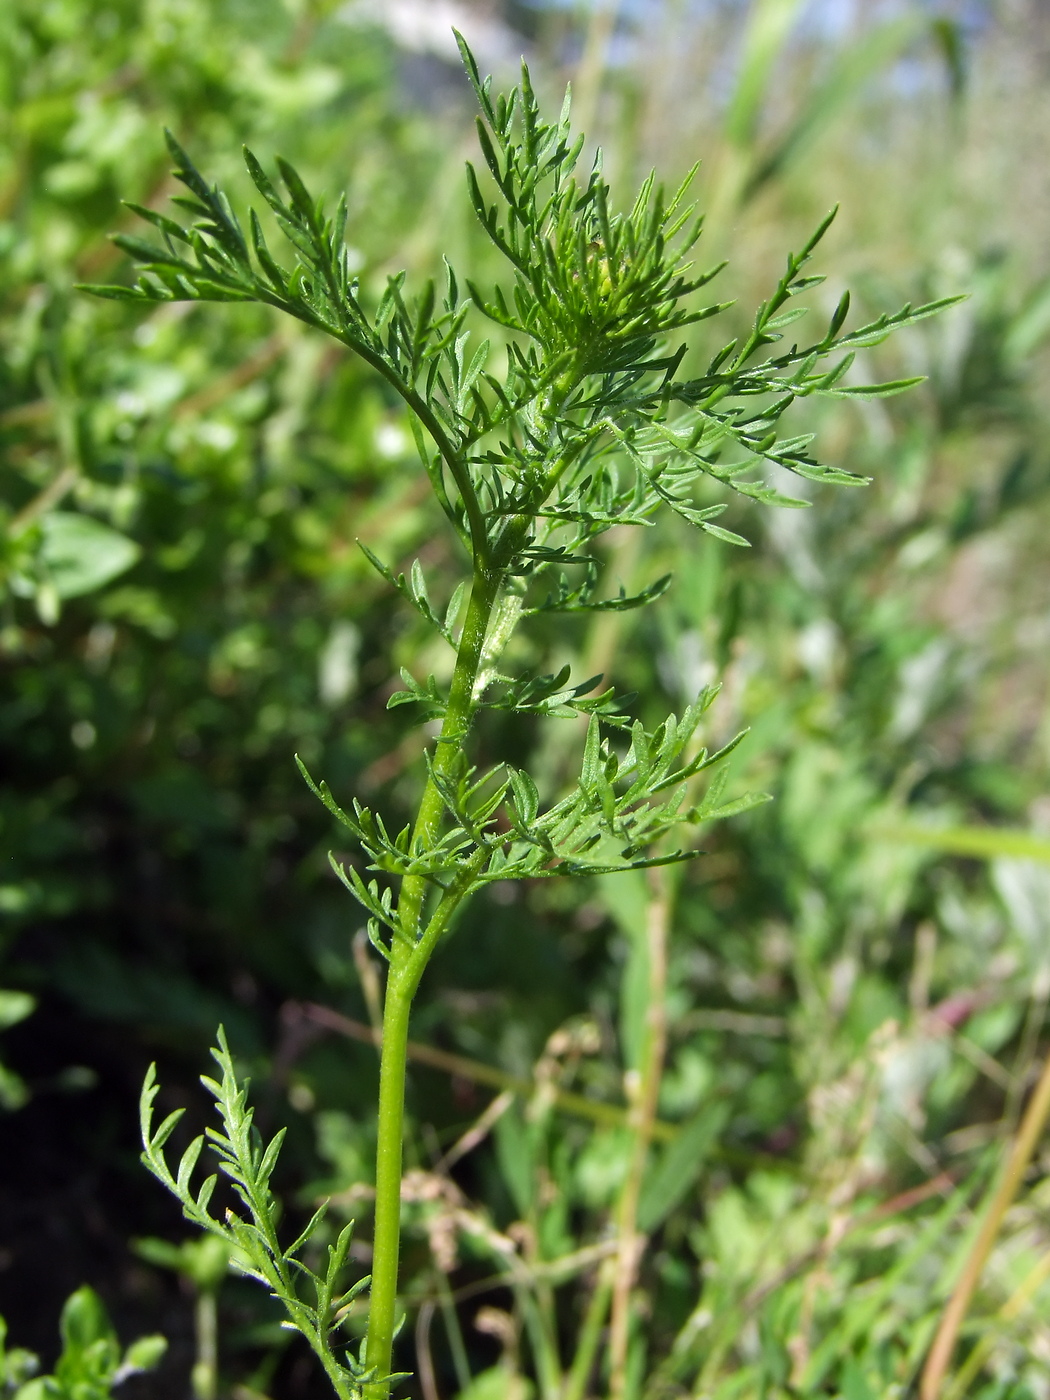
column 413, row 940
column 409, row 954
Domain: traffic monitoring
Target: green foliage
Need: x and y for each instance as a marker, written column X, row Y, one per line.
column 588, row 428
column 610, row 806
column 590, row 389
column 252, row 1244
column 588, row 379
column 164, row 866
column 91, row 1363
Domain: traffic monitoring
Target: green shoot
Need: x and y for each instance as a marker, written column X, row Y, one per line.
column 252, row 1240
column 589, row 424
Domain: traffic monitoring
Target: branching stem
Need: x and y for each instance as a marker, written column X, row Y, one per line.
column 587, row 428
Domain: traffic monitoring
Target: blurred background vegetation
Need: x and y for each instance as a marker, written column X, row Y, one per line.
column 854, row 1015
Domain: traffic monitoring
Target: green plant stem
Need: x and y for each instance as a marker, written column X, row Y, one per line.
column 206, row 1367
column 540, row 1327
column 986, row 1343
column 454, row 1332
column 413, row 944
column 644, row 1097
column 590, row 1335
column 386, row 1240
column 410, row 951
column 450, row 741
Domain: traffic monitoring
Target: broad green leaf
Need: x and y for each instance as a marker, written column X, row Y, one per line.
column 14, row 1092
column 15, row 1007
column 985, row 842
column 679, row 1166
column 498, row 1383
column 81, row 554
column 84, row 1320
column 144, row 1354
column 514, row 1150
